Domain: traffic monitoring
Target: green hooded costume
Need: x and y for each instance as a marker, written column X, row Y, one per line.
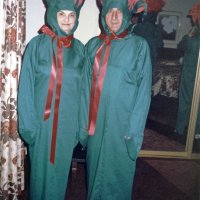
column 123, row 106
column 49, row 166
column 190, row 45
column 152, row 33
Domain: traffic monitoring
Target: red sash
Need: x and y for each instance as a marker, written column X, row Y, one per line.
column 97, row 81
column 55, row 78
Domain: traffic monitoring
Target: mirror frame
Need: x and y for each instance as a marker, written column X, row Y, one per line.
column 187, row 154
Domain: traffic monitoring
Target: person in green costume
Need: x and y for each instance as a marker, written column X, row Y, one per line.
column 190, row 45
column 148, row 28
column 49, row 99
column 120, row 93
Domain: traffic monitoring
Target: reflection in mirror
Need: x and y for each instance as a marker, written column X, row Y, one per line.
column 172, row 91
column 161, row 122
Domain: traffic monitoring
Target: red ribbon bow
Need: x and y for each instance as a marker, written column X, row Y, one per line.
column 97, row 81
column 55, row 77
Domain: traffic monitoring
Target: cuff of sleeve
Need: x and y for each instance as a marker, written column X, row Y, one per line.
column 131, row 147
column 27, row 136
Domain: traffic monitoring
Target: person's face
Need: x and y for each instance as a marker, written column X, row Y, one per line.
column 66, row 20
column 114, row 19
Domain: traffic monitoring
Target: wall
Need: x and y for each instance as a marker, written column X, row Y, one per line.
column 88, row 23
column 34, row 17
column 182, row 7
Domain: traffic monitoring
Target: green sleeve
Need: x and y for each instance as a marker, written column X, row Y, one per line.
column 26, row 111
column 84, row 102
column 134, row 136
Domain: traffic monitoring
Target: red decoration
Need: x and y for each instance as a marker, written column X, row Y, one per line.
column 56, row 71
column 97, row 81
column 155, row 5
column 195, row 13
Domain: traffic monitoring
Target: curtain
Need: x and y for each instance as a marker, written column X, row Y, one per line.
column 12, row 150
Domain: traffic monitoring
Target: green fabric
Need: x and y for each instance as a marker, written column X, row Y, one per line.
column 152, row 33
column 48, row 181
column 84, row 103
column 139, row 4
column 190, row 46
column 123, row 108
column 125, row 98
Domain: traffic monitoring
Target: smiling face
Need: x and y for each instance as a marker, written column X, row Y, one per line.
column 114, row 19
column 66, row 20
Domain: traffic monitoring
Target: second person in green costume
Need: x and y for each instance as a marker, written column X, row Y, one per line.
column 120, row 93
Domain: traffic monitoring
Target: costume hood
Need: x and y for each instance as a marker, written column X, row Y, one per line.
column 127, row 7
column 153, row 8
column 53, row 6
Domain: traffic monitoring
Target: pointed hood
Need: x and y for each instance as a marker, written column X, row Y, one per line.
column 127, row 7
column 53, row 6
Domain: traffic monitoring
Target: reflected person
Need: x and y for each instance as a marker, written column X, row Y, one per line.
column 190, row 45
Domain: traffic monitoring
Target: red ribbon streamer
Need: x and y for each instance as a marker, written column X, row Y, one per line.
column 97, row 82
column 55, row 77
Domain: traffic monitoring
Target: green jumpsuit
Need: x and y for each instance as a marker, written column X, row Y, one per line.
column 48, row 181
column 190, row 46
column 122, row 112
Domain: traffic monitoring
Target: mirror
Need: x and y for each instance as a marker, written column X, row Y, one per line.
column 162, row 132
column 160, row 128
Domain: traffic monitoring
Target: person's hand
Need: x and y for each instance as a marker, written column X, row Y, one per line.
column 130, row 146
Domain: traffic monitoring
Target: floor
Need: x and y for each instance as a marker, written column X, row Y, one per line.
column 160, row 127
column 155, row 178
